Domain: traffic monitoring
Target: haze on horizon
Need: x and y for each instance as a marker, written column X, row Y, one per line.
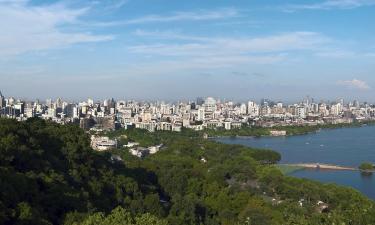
column 282, row 50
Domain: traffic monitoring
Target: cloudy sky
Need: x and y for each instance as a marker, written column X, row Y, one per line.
column 167, row 49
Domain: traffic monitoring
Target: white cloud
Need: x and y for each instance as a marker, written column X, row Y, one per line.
column 344, row 54
column 175, row 51
column 14, row 2
column 169, row 35
column 199, row 15
column 339, row 54
column 197, row 65
column 106, row 5
column 205, row 46
column 116, row 4
column 355, row 83
column 26, row 28
column 330, row 4
column 174, row 44
column 179, row 16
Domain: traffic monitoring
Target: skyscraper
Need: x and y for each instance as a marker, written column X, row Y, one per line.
column 2, row 101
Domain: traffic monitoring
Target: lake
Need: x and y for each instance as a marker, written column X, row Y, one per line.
column 344, row 147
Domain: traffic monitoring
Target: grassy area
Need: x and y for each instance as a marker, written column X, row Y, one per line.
column 288, row 169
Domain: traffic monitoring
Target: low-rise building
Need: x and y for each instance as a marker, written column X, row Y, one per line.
column 142, row 151
column 278, row 133
column 102, row 143
column 131, row 144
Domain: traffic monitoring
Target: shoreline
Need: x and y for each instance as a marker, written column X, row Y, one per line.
column 290, row 168
column 315, row 128
column 320, row 166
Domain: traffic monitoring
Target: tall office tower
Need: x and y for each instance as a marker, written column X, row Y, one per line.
column 210, row 104
column 49, row 103
column 341, row 101
column 90, row 101
column 199, row 101
column 356, row 103
column 2, row 101
column 58, row 103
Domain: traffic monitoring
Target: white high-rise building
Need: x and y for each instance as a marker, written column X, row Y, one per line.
column 252, row 109
column 301, row 112
column 29, row 112
column 336, row 109
column 243, row 109
column 90, row 102
column 201, row 113
column 76, row 112
column 2, row 101
column 210, row 104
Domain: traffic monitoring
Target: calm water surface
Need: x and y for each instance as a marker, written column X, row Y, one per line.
column 345, row 147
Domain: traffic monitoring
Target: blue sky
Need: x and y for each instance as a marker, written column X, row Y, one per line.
column 167, row 49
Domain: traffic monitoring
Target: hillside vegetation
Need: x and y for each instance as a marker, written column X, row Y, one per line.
column 290, row 129
column 50, row 175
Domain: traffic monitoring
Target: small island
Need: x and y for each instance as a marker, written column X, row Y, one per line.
column 366, row 168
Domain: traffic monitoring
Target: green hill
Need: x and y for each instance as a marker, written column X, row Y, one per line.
column 50, row 175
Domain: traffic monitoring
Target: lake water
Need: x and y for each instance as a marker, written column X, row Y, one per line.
column 344, row 147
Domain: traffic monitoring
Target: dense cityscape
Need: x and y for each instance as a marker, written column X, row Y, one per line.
column 208, row 113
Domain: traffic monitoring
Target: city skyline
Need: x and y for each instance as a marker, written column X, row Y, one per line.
column 245, row 99
column 168, row 50
column 201, row 114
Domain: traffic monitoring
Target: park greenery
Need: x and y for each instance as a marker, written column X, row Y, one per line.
column 50, row 175
column 288, row 169
column 255, row 131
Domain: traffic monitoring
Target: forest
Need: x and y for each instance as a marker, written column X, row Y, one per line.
column 50, row 175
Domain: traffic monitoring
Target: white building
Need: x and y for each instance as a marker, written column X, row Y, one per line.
column 301, row 112
column 210, row 104
column 102, row 143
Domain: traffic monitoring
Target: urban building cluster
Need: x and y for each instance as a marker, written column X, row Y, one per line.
column 208, row 113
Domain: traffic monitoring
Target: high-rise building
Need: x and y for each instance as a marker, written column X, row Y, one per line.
column 2, row 101
column 90, row 101
column 356, row 103
column 243, row 109
column 210, row 104
column 58, row 103
column 301, row 112
column 49, row 103
column 199, row 101
column 201, row 114
column 252, row 108
column 10, row 101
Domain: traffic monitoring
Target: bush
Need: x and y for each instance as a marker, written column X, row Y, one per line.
column 366, row 166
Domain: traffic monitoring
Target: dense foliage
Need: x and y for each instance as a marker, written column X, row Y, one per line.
column 48, row 170
column 120, row 216
column 366, row 166
column 290, row 130
column 50, row 175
